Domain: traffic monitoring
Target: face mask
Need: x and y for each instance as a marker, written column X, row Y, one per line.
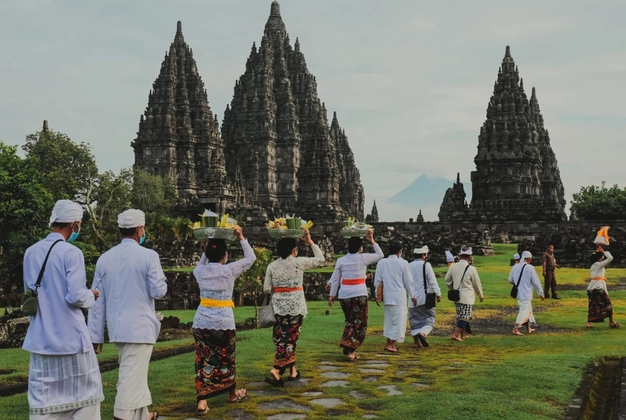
column 143, row 238
column 73, row 236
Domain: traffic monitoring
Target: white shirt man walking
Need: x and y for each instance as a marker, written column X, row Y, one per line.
column 421, row 318
column 394, row 274
column 129, row 278
column 63, row 378
column 524, row 276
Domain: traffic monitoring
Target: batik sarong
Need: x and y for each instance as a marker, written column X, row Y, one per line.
column 422, row 319
column 463, row 316
column 355, row 311
column 285, row 335
column 215, row 362
column 600, row 306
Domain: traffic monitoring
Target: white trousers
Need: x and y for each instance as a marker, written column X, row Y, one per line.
column 133, row 395
column 395, row 322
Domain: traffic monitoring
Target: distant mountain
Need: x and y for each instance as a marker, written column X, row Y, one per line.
column 426, row 192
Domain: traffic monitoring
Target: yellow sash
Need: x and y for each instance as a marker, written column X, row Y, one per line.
column 214, row 303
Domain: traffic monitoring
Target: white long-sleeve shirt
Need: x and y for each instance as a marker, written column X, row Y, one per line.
column 217, row 281
column 59, row 327
column 417, row 271
column 598, row 271
column 289, row 272
column 393, row 272
column 353, row 266
column 129, row 278
column 469, row 287
column 528, row 281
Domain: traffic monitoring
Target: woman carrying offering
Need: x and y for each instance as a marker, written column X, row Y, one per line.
column 600, row 306
column 350, row 275
column 284, row 280
column 214, row 323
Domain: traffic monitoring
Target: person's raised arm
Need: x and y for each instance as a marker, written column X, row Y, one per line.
column 239, row 266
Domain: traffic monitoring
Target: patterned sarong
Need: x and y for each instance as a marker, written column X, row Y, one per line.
column 463, row 316
column 285, row 336
column 215, row 362
column 422, row 319
column 355, row 311
column 600, row 306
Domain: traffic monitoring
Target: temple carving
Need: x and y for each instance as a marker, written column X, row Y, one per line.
column 516, row 176
column 276, row 151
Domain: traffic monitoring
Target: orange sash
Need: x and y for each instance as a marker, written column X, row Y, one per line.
column 287, row 289
column 352, row 282
column 599, row 278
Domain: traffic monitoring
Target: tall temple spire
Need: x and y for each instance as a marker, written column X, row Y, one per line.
column 179, row 136
column 302, row 164
column 516, row 176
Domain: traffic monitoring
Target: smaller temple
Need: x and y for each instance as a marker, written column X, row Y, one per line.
column 373, row 216
column 420, row 217
column 454, row 206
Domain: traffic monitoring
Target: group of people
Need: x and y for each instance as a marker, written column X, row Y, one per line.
column 64, row 377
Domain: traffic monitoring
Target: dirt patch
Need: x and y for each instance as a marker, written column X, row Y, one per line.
column 7, row 371
column 498, row 325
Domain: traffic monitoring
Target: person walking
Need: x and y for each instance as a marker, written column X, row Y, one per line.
column 549, row 264
column 214, row 323
column 284, row 278
column 350, row 274
column 422, row 318
column 394, row 274
column 600, row 306
column 63, row 375
column 129, row 278
column 462, row 276
column 524, row 276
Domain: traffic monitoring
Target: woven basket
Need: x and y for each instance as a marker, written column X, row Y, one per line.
column 286, row 233
column 351, row 232
column 214, row 233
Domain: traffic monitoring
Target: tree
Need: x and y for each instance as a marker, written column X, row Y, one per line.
column 25, row 207
column 66, row 167
column 250, row 283
column 598, row 203
column 153, row 193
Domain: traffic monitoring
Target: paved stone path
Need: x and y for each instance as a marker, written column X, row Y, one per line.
column 334, row 376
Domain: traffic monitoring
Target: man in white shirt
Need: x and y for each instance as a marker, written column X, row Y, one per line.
column 64, row 378
column 524, row 276
column 350, row 274
column 421, row 318
column 394, row 274
column 129, row 278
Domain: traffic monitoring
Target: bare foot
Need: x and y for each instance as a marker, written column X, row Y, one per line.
column 455, row 337
column 516, row 332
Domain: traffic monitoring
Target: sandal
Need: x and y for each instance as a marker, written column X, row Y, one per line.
column 293, row 378
column 614, row 325
column 241, row 394
column 155, row 415
column 589, row 325
column 202, row 412
column 353, row 356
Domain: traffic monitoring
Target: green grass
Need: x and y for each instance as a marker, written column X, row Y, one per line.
column 488, row 376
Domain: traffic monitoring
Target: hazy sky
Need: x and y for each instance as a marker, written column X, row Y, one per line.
column 410, row 80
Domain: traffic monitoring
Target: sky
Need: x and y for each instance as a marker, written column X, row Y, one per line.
column 409, row 79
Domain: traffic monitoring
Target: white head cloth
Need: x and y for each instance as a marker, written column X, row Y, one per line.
column 422, row 250
column 66, row 211
column 131, row 218
column 449, row 256
column 526, row 254
column 516, row 256
column 467, row 251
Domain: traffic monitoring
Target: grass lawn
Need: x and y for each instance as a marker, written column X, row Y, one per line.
column 492, row 375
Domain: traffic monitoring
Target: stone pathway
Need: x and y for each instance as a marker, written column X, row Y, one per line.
column 333, row 375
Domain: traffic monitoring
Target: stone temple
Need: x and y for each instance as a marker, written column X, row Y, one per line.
column 516, row 176
column 276, row 151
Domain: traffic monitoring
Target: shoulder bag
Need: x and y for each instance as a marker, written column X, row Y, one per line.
column 266, row 313
column 431, row 298
column 514, row 288
column 454, row 295
column 28, row 303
